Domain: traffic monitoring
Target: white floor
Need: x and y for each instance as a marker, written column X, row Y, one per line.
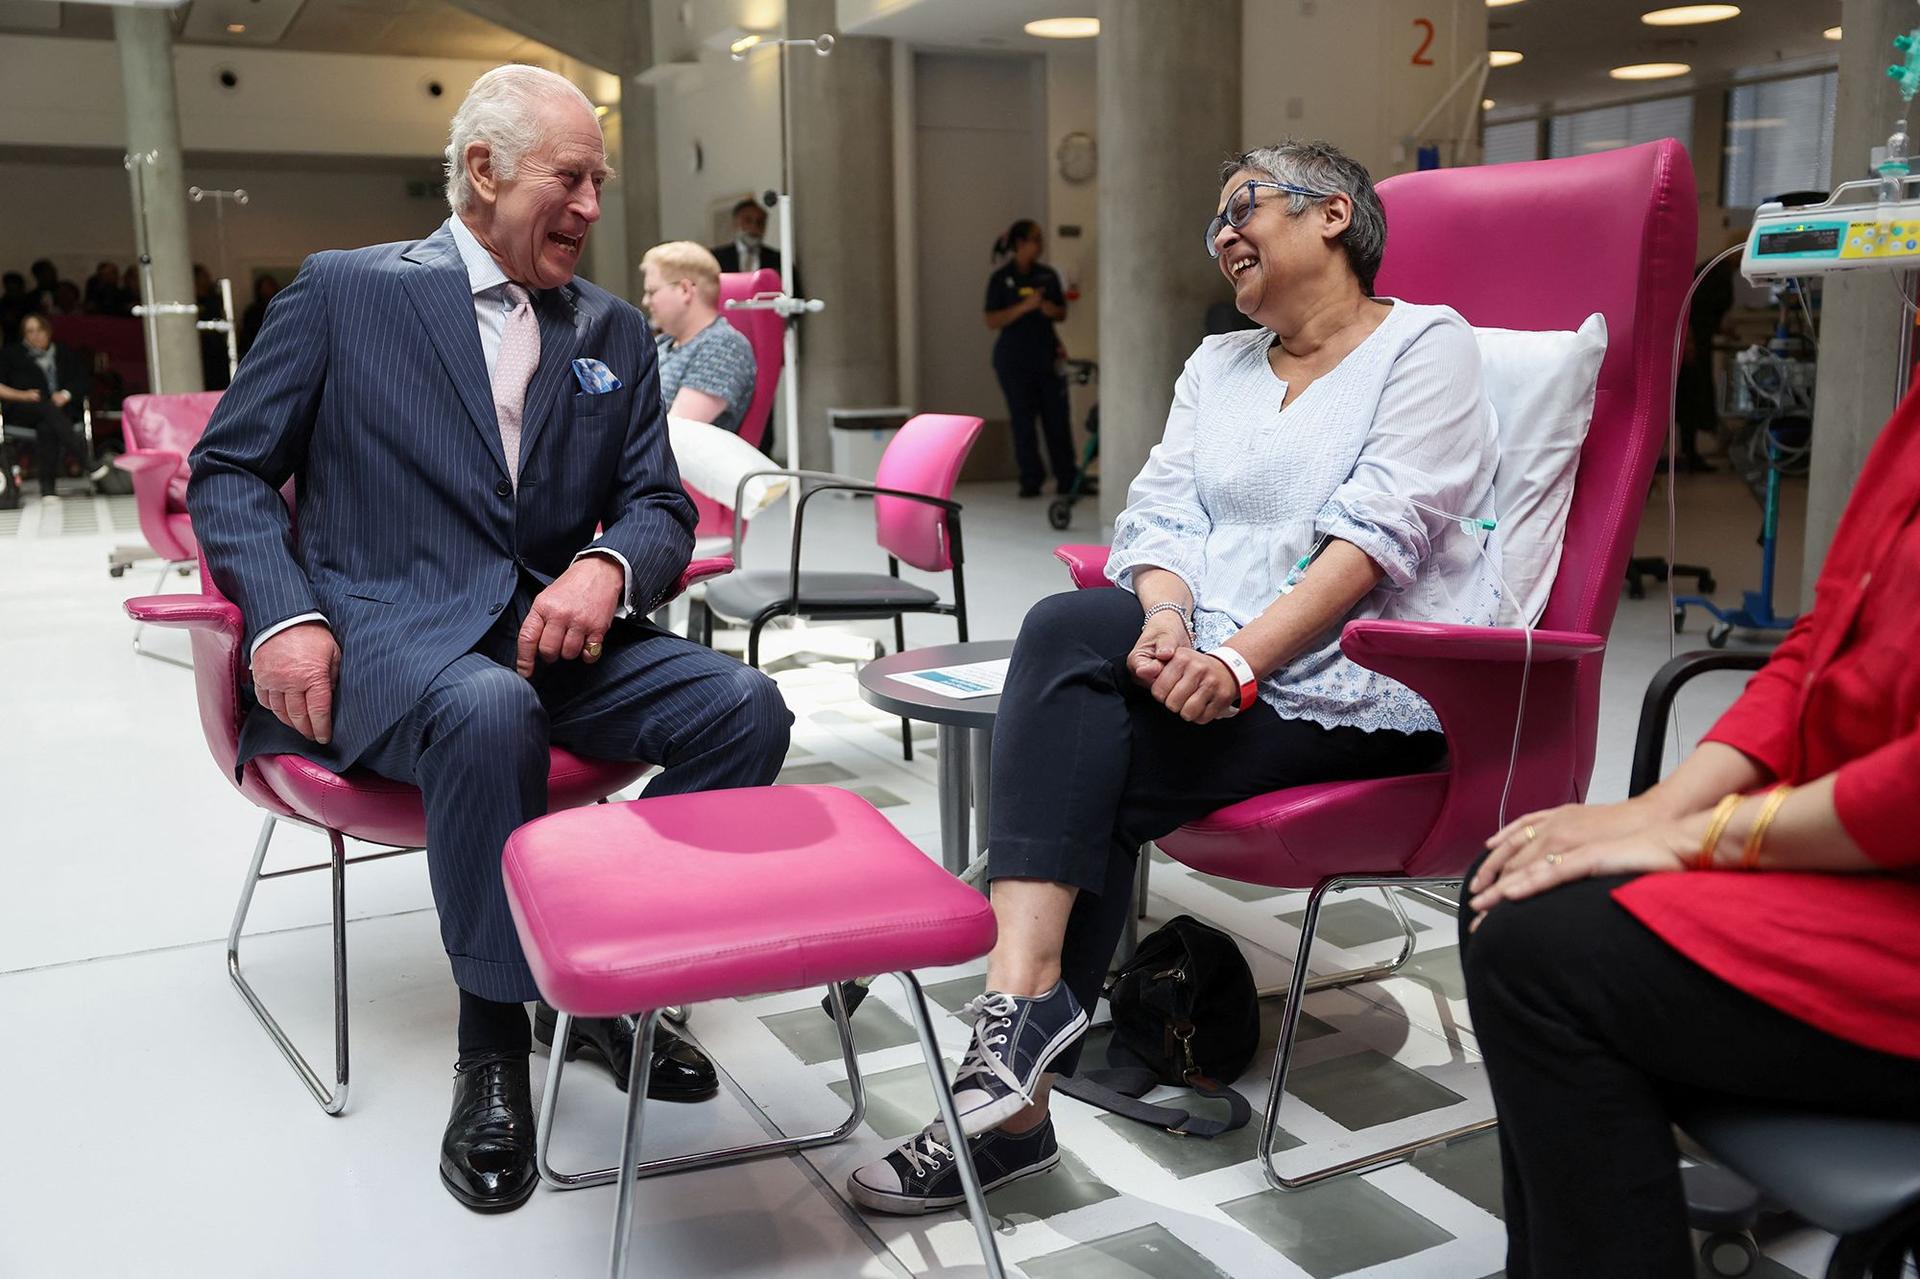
column 154, row 1131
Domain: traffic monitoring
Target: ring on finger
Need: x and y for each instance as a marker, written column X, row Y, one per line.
column 1530, row 833
column 1554, row 859
column 593, row 649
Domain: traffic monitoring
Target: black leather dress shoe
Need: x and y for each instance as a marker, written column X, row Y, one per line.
column 678, row 1072
column 486, row 1157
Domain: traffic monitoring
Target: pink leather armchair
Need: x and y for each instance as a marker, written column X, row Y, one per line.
column 159, row 432
column 1539, row 245
column 766, row 333
column 357, row 805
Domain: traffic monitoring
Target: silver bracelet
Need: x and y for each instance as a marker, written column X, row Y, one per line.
column 1186, row 618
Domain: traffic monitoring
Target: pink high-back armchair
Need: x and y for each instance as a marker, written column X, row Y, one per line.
column 160, row 432
column 766, row 333
column 357, row 805
column 1539, row 245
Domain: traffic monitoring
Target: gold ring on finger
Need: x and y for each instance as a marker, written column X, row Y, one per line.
column 1554, row 859
column 1530, row 832
column 593, row 649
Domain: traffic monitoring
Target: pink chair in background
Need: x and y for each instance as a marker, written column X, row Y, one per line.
column 160, row 431
column 766, row 333
column 915, row 520
column 1539, row 246
column 358, row 805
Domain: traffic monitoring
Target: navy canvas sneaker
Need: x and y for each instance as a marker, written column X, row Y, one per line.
column 921, row 1175
column 1015, row 1039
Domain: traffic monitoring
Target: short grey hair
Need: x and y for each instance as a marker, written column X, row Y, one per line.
column 499, row 112
column 1321, row 166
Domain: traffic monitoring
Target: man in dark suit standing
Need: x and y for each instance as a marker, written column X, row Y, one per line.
column 458, row 415
column 748, row 251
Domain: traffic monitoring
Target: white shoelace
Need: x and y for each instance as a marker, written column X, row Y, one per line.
column 937, row 1152
column 992, row 1016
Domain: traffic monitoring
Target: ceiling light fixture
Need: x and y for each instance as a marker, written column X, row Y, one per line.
column 602, row 110
column 1486, row 104
column 1690, row 15
column 1500, row 4
column 236, row 28
column 1064, row 28
column 1505, row 57
column 1650, row 71
column 743, row 44
column 1831, row 33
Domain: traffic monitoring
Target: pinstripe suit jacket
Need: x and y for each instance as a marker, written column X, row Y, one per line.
column 367, row 388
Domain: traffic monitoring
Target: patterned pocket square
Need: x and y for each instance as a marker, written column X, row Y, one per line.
column 594, row 377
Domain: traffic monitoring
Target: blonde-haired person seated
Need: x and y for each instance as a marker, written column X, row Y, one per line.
column 706, row 365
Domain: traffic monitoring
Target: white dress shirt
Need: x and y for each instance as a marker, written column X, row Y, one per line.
column 489, row 283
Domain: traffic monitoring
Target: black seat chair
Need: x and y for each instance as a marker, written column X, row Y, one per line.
column 1856, row 1178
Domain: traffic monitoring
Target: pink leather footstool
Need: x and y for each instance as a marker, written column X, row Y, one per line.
column 629, row 908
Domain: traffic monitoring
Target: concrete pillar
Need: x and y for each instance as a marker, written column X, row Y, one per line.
column 637, row 155
column 841, row 125
column 1860, row 314
column 145, row 37
column 1169, row 109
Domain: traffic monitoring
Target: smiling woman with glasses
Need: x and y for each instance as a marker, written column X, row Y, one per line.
column 1300, row 484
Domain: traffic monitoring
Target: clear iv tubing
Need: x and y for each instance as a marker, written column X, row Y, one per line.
column 1468, row 525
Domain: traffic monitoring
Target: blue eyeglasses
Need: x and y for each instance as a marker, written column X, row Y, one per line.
column 1240, row 207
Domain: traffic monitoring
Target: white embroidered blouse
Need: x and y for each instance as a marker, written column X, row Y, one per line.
column 1239, row 489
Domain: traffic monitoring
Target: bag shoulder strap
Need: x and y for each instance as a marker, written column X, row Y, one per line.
column 1118, row 1091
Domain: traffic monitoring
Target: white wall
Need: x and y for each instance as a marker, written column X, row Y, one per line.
column 1342, row 70
column 730, row 109
column 78, row 212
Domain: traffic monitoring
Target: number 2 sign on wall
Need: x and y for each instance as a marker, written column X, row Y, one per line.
column 1420, row 58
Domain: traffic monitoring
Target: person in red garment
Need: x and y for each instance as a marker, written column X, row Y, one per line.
column 1748, row 928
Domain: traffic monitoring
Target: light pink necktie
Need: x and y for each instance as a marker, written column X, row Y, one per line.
column 519, row 356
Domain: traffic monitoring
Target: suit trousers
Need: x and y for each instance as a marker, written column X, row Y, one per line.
column 1087, row 767
column 477, row 742
column 1595, row 1033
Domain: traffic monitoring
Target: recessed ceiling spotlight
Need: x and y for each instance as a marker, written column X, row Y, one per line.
column 602, row 110
column 1690, row 15
column 1064, row 28
column 1650, row 71
column 1505, row 57
column 740, row 47
column 236, row 28
column 1500, row 4
column 1486, row 104
column 1831, row 33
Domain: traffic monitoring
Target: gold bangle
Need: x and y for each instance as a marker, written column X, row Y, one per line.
column 1757, row 836
column 1716, row 826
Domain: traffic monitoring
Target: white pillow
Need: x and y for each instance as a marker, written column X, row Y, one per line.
column 1541, row 386
column 711, row 462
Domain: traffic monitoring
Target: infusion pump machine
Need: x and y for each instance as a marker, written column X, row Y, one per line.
column 1851, row 230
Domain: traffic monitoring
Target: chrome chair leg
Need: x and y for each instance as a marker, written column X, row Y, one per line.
column 140, row 629
column 1375, row 972
column 549, row 1110
column 334, row 1101
column 962, row 1156
column 1297, row 989
column 630, row 1139
column 679, row 1014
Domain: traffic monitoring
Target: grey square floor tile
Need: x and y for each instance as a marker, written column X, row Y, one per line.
column 820, row 772
column 1271, row 1013
column 1366, row 1088
column 899, row 1101
column 1067, row 1186
column 1146, row 1252
column 878, row 796
column 1191, row 1156
column 1356, row 922
column 952, row 995
column 1244, row 892
column 1439, row 969
column 1337, row 1226
column 1469, row 1167
column 809, row 1033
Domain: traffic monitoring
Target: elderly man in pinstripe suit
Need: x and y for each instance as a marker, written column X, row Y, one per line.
column 458, row 415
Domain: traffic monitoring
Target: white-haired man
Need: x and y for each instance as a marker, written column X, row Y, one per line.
column 458, row 415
